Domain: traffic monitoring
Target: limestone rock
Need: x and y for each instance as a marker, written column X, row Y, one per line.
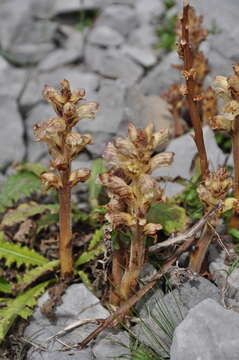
column 209, row 332
column 113, row 64
column 78, row 79
column 105, row 36
column 12, row 147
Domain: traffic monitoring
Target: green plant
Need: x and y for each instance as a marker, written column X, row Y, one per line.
column 86, row 19
column 167, row 34
column 23, row 183
column 63, row 146
column 132, row 190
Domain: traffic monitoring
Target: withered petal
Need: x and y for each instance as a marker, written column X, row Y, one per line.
column 79, row 175
column 162, row 159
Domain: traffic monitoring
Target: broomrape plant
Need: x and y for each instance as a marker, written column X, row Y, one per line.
column 132, row 190
column 63, row 146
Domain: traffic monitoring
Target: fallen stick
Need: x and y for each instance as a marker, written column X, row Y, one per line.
column 189, row 233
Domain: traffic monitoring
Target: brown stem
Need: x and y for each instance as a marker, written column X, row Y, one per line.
column 192, row 99
column 198, row 255
column 65, row 246
column 136, row 260
column 235, row 147
column 117, row 272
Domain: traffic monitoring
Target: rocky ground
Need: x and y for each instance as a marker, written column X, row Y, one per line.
column 115, row 59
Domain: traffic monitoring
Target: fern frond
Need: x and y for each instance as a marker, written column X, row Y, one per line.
column 87, row 256
column 96, row 238
column 22, row 306
column 85, row 279
column 32, row 275
column 18, row 185
column 25, row 211
column 14, row 253
column 5, row 287
column 35, row 168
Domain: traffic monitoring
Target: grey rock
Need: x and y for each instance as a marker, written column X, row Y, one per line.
column 162, row 76
column 111, row 99
column 142, row 109
column 100, row 140
column 170, row 311
column 29, row 54
column 69, row 6
column 149, row 11
column 143, row 36
column 12, row 81
column 59, row 58
column 10, row 19
column 112, row 346
column 209, row 332
column 3, row 64
column 12, row 147
column 105, row 36
column 31, row 41
column 34, row 354
column 143, row 55
column 185, row 150
column 72, row 38
column 77, row 303
column 113, row 64
column 171, row 188
column 78, row 79
column 119, row 17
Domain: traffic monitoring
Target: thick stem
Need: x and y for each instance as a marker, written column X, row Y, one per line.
column 235, row 147
column 136, row 260
column 65, row 246
column 192, row 99
column 198, row 255
column 117, row 272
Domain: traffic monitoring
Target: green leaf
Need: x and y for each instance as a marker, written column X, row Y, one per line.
column 35, row 168
column 14, row 253
column 33, row 274
column 25, row 211
column 22, row 306
column 5, row 286
column 234, row 232
column 47, row 220
column 89, row 255
column 172, row 217
column 98, row 167
column 85, row 279
column 19, row 185
column 96, row 238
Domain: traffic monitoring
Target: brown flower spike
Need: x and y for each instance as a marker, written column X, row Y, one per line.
column 228, row 119
column 132, row 190
column 63, row 146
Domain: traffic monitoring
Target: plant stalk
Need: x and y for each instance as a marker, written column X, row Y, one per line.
column 65, row 247
column 136, row 260
column 190, row 91
column 235, row 149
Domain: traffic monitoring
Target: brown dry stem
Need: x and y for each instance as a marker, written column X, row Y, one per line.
column 192, row 99
column 235, row 149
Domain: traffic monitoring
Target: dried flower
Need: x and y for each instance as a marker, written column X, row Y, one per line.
column 63, row 146
column 131, row 191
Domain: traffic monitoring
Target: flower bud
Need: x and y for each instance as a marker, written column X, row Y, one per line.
column 79, row 175
column 51, row 180
column 162, row 159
